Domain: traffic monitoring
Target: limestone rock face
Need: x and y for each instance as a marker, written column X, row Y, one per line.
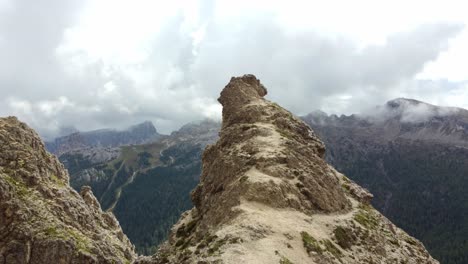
column 266, row 195
column 280, row 157
column 42, row 219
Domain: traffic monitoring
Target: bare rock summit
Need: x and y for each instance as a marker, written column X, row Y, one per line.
column 42, row 219
column 266, row 195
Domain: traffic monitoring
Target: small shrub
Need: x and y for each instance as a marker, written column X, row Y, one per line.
column 310, row 243
column 285, row 260
column 332, row 248
column 366, row 219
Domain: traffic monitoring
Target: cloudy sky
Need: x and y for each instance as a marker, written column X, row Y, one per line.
column 112, row 63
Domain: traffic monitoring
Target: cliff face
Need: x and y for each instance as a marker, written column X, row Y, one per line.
column 266, row 195
column 42, row 219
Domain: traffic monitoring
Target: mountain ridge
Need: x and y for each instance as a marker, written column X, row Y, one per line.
column 399, row 119
column 144, row 132
column 416, row 170
column 267, row 196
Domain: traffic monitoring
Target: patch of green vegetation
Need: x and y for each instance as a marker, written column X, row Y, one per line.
column 330, row 247
column 57, row 181
column 82, row 243
column 346, row 187
column 310, row 243
column 285, row 260
column 366, row 219
column 285, row 133
column 129, row 155
column 52, row 232
column 365, row 207
column 21, row 189
column 140, row 156
column 344, row 236
column 186, row 229
column 217, row 245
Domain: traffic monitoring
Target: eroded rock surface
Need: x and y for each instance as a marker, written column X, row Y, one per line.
column 266, row 195
column 42, row 219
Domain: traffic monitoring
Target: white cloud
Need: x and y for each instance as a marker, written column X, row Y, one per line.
column 113, row 63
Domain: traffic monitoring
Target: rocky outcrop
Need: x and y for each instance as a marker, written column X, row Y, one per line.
column 266, row 195
column 201, row 133
column 42, row 219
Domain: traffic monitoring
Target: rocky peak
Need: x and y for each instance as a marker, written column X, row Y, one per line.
column 402, row 102
column 260, row 138
column 414, row 111
column 201, row 133
column 240, row 91
column 266, row 195
column 42, row 219
column 144, row 127
column 23, row 153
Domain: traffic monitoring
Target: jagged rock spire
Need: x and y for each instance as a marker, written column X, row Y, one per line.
column 266, row 195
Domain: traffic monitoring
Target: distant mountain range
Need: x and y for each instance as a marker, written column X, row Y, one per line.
column 404, row 119
column 411, row 155
column 146, row 186
column 104, row 138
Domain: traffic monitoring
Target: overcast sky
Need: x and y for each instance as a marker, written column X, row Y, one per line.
column 112, row 63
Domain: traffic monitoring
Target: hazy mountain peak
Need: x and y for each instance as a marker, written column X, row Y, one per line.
column 411, row 110
column 402, row 118
column 401, row 102
column 145, row 125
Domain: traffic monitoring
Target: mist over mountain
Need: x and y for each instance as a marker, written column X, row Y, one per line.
column 403, row 118
column 413, row 157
